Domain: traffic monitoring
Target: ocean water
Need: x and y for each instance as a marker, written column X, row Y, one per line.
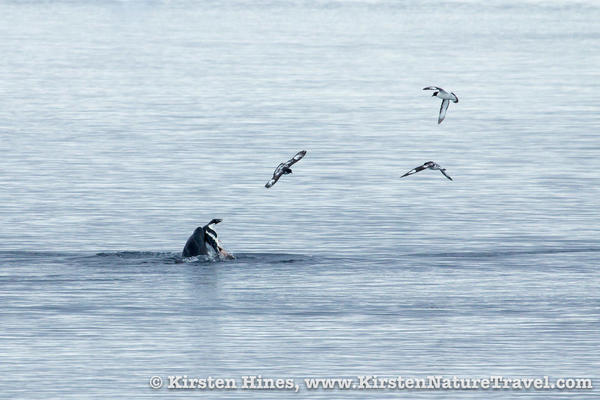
column 126, row 124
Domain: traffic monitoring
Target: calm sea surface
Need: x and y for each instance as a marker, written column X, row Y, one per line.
column 125, row 125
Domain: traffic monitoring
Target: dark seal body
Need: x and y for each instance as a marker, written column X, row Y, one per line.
column 196, row 244
column 204, row 242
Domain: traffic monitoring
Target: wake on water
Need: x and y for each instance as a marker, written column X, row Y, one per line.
column 169, row 257
column 165, row 257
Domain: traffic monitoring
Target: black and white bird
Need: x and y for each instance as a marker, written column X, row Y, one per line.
column 446, row 98
column 284, row 168
column 428, row 165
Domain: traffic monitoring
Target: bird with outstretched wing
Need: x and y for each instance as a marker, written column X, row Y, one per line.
column 446, row 99
column 284, row 168
column 428, row 165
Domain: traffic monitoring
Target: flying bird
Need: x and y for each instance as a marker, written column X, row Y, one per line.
column 284, row 168
column 446, row 97
column 428, row 165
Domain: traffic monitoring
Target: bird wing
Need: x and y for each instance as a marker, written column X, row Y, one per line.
column 276, row 175
column 443, row 171
column 443, row 109
column 415, row 170
column 299, row 155
column 209, row 230
column 212, row 240
column 435, row 88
